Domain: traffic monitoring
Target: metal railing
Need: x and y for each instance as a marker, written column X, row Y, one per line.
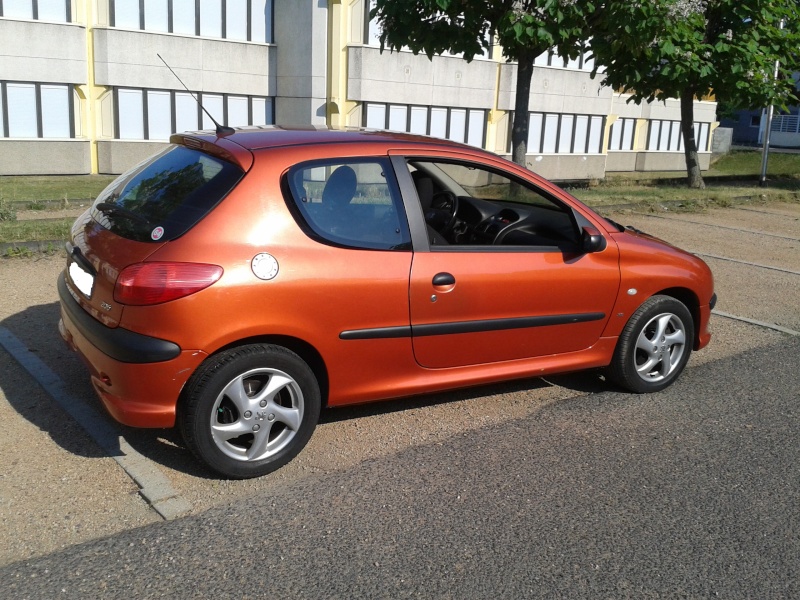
column 785, row 124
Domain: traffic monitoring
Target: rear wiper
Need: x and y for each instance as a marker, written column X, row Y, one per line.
column 109, row 208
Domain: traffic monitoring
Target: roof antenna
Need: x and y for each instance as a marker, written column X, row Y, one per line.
column 222, row 130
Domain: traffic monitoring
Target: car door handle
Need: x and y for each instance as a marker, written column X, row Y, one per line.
column 441, row 279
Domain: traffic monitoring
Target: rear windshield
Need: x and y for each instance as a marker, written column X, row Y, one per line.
column 163, row 198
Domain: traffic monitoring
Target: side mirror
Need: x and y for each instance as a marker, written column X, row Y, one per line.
column 592, row 240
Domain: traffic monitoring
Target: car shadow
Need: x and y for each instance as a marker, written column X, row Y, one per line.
column 584, row 382
column 37, row 329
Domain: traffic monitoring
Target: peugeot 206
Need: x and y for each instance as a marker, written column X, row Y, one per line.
column 239, row 281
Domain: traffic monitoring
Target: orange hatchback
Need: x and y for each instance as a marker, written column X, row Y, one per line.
column 234, row 284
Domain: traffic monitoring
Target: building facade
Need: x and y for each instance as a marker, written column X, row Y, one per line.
column 83, row 88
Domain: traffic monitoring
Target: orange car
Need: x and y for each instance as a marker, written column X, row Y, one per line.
column 236, row 283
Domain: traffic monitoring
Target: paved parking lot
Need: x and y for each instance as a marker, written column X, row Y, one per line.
column 59, row 487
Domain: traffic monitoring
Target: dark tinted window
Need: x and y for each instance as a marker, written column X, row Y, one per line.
column 163, row 198
column 353, row 204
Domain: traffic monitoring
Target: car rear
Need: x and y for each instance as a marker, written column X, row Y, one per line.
column 113, row 266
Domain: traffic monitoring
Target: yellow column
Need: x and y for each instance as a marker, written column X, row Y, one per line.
column 640, row 134
column 92, row 92
column 607, row 132
column 497, row 127
column 339, row 26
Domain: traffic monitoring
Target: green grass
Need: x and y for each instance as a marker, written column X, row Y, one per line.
column 44, row 190
column 37, row 230
column 649, row 195
column 748, row 162
column 730, row 180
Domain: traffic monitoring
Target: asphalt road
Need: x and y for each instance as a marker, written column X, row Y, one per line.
column 546, row 487
column 690, row 493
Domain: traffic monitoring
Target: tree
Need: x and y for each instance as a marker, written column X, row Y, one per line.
column 524, row 29
column 687, row 49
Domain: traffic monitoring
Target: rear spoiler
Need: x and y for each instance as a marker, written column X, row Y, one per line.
column 220, row 147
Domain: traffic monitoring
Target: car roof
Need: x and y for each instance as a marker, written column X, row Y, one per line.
column 274, row 136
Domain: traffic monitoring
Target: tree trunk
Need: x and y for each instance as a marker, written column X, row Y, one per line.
column 519, row 128
column 695, row 178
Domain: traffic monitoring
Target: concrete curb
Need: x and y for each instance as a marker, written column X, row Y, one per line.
column 755, row 322
column 154, row 486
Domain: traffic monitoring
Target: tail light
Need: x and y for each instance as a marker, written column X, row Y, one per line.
column 157, row 282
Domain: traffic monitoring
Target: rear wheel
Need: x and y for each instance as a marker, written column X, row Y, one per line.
column 250, row 410
column 654, row 347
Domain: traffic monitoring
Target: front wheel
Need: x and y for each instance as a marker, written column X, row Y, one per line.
column 654, row 347
column 249, row 410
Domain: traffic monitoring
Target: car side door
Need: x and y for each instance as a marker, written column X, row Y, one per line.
column 473, row 301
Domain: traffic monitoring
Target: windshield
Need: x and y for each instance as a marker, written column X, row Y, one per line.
column 161, row 199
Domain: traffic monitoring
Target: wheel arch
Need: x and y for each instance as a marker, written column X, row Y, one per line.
column 689, row 299
column 300, row 347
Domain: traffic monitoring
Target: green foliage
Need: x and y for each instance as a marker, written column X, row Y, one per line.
column 659, row 49
column 524, row 29
column 468, row 26
column 18, row 252
column 7, row 213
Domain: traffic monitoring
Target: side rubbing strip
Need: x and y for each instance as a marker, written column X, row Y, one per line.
column 502, row 324
column 468, row 326
column 376, row 334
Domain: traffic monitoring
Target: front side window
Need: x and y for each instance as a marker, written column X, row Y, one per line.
column 468, row 205
column 354, row 204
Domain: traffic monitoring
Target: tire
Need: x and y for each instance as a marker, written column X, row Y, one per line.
column 654, row 347
column 248, row 411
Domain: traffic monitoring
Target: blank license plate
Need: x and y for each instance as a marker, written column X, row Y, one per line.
column 83, row 281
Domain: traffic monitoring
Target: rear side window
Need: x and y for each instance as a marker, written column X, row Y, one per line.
column 166, row 196
column 354, row 204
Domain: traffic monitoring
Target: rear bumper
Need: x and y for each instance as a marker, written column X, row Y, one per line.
column 118, row 343
column 137, row 391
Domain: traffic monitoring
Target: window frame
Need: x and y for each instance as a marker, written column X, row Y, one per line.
column 310, row 228
column 35, row 11
column 269, row 28
column 429, row 111
column 419, row 230
column 543, row 131
column 702, row 130
column 173, row 109
column 4, row 109
column 627, row 123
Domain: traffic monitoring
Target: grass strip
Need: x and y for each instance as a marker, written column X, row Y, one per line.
column 51, row 189
column 35, row 230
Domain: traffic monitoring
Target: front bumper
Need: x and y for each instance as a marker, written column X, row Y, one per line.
column 703, row 336
column 138, row 378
